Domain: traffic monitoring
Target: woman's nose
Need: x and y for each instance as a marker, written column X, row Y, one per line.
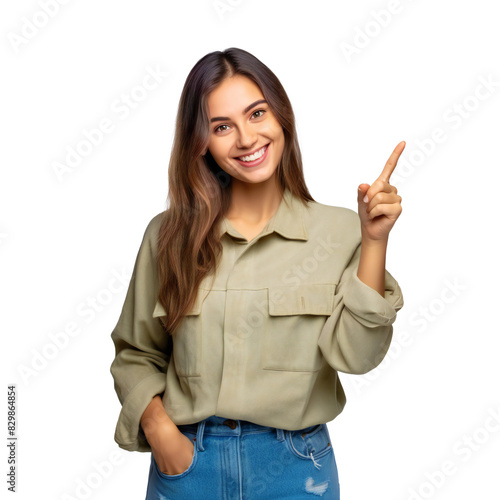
column 246, row 138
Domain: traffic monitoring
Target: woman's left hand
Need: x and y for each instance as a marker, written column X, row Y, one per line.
column 383, row 207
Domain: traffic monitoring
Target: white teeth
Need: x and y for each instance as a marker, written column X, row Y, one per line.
column 253, row 157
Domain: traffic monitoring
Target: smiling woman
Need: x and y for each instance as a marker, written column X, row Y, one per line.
column 252, row 137
column 245, row 301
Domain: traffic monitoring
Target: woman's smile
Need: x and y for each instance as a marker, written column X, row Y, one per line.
column 254, row 159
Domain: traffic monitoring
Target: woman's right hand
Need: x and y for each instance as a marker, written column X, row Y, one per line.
column 172, row 450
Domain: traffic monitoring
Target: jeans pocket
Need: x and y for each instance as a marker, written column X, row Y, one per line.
column 192, row 465
column 309, row 443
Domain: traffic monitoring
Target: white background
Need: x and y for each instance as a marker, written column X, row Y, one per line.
column 63, row 238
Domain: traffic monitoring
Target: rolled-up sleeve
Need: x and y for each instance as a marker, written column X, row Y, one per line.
column 142, row 347
column 357, row 335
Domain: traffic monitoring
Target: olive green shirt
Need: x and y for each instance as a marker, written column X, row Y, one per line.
column 265, row 340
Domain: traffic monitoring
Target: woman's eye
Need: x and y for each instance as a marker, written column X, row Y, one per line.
column 218, row 129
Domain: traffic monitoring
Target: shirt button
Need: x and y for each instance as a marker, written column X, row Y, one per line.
column 230, row 423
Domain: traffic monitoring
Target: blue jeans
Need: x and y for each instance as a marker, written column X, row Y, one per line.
column 237, row 459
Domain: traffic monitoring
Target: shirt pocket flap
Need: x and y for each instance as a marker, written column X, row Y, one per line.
column 195, row 310
column 311, row 298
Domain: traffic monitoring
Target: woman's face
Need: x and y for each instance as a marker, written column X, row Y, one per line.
column 242, row 126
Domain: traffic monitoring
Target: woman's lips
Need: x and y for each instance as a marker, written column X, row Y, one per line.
column 258, row 161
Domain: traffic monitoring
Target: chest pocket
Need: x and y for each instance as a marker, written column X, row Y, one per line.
column 297, row 315
column 187, row 349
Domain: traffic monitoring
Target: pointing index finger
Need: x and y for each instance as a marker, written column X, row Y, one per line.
column 392, row 162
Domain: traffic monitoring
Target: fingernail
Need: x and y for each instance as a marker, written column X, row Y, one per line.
column 365, row 199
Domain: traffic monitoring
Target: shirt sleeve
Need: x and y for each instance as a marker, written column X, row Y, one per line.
column 142, row 346
column 357, row 335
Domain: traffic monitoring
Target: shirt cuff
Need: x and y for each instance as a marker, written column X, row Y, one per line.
column 129, row 435
column 368, row 306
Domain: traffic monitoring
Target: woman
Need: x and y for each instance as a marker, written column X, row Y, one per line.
column 247, row 298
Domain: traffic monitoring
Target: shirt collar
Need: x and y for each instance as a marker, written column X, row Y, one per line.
column 288, row 221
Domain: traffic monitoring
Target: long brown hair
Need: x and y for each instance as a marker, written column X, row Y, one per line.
column 199, row 191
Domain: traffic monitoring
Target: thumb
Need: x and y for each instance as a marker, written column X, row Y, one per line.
column 362, row 189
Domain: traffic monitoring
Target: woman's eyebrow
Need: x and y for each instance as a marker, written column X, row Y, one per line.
column 248, row 108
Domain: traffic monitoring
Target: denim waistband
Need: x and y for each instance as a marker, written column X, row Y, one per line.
column 215, row 425
column 221, row 426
